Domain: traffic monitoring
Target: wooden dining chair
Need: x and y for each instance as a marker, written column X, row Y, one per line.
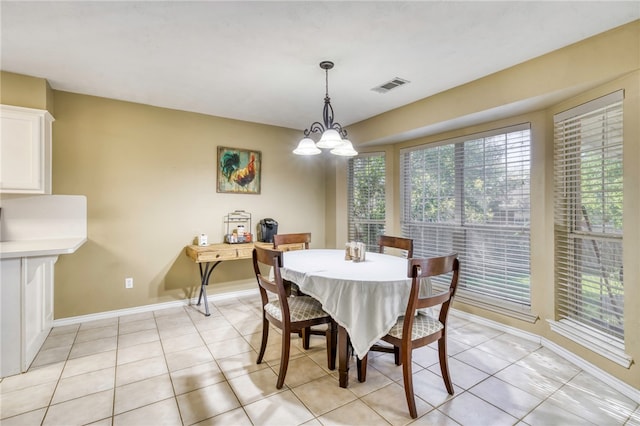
column 290, row 314
column 288, row 242
column 405, row 244
column 416, row 329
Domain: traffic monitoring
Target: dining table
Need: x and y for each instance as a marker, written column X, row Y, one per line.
column 365, row 298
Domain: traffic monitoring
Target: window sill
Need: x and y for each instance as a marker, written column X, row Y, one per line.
column 593, row 340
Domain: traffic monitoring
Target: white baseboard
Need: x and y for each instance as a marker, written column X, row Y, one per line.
column 600, row 374
column 496, row 325
column 146, row 308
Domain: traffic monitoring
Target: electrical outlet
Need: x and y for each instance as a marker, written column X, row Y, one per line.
column 128, row 283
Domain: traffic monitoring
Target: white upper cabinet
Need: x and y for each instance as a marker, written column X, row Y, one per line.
column 25, row 150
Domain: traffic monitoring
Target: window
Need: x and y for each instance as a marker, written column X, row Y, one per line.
column 367, row 198
column 471, row 196
column 588, row 219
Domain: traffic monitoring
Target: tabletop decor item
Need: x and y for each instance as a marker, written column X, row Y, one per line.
column 239, row 170
column 238, row 227
column 355, row 251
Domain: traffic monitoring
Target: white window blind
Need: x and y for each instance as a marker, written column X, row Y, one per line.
column 366, row 192
column 588, row 215
column 472, row 196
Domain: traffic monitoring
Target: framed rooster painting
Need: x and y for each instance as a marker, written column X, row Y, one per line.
column 239, row 170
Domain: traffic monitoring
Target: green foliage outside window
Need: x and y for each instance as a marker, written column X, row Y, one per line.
column 367, row 199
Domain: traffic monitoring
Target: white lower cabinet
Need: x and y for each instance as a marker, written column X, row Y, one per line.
column 38, row 304
column 27, row 310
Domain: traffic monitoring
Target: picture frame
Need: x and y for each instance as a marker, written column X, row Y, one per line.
column 239, row 171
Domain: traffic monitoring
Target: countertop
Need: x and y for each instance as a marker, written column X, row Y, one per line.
column 34, row 248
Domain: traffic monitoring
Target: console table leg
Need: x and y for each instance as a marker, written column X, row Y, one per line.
column 204, row 282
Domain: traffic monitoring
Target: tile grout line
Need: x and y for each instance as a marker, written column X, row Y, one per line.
column 164, row 356
column 46, row 411
column 226, row 379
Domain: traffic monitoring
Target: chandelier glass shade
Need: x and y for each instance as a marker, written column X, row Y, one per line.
column 307, row 147
column 330, row 139
column 345, row 149
column 333, row 136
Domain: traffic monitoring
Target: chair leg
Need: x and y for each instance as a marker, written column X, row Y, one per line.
column 284, row 359
column 265, row 336
column 361, row 365
column 396, row 355
column 408, row 380
column 444, row 364
column 332, row 345
column 306, row 336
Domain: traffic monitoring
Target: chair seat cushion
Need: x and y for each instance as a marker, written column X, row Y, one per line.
column 423, row 325
column 301, row 308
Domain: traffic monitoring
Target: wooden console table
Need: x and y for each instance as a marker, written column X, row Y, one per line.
column 209, row 256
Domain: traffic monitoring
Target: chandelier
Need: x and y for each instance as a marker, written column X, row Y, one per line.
column 334, row 137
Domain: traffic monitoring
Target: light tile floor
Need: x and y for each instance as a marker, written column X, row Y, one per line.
column 177, row 367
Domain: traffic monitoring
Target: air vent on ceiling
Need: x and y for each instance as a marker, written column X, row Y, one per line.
column 390, row 85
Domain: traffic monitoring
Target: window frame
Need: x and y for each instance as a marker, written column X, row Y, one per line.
column 514, row 309
column 573, row 251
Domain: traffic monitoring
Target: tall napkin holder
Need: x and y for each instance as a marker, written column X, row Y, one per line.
column 355, row 251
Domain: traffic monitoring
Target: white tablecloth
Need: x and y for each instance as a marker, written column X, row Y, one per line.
column 366, row 298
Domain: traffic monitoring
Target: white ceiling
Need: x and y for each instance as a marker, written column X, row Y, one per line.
column 258, row 61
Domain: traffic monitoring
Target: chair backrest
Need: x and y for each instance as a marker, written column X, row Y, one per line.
column 272, row 259
column 396, row 242
column 298, row 241
column 427, row 268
